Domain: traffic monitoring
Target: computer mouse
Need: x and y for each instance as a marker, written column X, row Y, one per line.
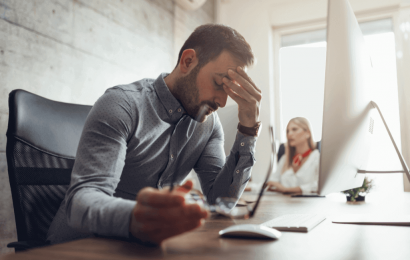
column 250, row 231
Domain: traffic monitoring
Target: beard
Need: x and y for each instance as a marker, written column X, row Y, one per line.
column 187, row 93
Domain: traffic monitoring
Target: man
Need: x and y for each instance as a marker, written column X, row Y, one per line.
column 139, row 137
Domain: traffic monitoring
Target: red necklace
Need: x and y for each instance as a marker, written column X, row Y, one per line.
column 297, row 159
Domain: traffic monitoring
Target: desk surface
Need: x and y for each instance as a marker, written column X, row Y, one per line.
column 326, row 241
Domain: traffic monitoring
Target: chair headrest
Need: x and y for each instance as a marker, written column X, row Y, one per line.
column 51, row 126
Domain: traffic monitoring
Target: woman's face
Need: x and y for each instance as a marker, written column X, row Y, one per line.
column 296, row 135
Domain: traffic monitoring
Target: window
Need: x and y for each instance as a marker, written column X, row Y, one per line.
column 302, row 77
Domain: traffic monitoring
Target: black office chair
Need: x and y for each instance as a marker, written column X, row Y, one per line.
column 42, row 140
column 281, row 150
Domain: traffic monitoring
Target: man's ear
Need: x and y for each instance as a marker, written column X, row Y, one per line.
column 188, row 61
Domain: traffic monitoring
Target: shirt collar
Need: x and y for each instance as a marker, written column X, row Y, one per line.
column 171, row 104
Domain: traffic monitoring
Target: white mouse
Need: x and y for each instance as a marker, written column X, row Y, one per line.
column 251, row 231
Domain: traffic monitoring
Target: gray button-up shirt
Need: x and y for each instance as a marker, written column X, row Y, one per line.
column 137, row 136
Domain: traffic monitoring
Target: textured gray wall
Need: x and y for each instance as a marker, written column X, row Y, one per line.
column 73, row 50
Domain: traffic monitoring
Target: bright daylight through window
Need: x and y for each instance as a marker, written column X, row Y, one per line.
column 302, row 77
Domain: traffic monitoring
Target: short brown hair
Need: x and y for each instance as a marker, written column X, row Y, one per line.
column 210, row 40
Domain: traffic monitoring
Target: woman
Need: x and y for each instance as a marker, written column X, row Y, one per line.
column 298, row 168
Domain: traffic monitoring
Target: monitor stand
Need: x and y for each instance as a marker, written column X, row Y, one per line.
column 403, row 163
column 376, row 219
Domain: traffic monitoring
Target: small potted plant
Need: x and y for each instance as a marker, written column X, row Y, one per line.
column 358, row 194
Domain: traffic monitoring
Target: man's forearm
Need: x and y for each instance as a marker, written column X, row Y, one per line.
column 234, row 175
column 96, row 212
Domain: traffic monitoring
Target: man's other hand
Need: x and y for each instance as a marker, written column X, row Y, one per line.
column 243, row 91
column 161, row 214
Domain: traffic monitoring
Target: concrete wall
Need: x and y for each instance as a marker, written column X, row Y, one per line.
column 73, row 50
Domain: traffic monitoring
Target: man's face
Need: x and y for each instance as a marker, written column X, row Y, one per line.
column 201, row 91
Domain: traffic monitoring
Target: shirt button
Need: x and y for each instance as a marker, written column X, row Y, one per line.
column 237, row 171
column 179, row 110
column 242, row 144
column 170, row 111
column 172, row 156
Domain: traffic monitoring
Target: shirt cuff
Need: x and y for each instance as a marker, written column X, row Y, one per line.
column 244, row 144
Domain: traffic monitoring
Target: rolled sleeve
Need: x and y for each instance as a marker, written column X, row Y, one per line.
column 229, row 177
column 245, row 145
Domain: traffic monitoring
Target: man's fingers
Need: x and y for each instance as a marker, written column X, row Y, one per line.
column 246, row 85
column 155, row 198
column 245, row 76
column 186, row 187
column 144, row 213
column 238, row 99
column 156, row 231
column 238, row 89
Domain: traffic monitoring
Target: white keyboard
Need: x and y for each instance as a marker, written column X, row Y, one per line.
column 295, row 222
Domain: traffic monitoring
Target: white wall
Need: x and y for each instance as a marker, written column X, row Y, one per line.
column 262, row 22
column 294, row 12
column 302, row 80
column 402, row 34
column 254, row 25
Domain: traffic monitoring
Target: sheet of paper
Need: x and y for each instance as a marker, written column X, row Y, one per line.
column 399, row 220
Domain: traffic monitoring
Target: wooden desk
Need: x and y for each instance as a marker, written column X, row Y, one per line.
column 326, row 241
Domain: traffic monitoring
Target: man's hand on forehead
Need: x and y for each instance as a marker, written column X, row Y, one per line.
column 226, row 75
column 241, row 88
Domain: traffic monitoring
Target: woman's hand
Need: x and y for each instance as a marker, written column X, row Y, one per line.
column 276, row 186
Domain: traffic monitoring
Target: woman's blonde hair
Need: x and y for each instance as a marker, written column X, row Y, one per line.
column 291, row 151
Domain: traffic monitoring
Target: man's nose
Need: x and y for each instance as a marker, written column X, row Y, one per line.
column 221, row 99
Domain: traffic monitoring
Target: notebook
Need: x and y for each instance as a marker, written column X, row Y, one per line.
column 393, row 220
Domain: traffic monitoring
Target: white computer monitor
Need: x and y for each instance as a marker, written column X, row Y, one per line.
column 346, row 136
column 348, row 110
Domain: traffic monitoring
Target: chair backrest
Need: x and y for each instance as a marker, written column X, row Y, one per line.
column 281, row 150
column 42, row 140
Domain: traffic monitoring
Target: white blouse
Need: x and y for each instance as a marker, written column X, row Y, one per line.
column 306, row 177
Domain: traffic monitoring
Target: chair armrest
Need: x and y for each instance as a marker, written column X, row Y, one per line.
column 24, row 245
